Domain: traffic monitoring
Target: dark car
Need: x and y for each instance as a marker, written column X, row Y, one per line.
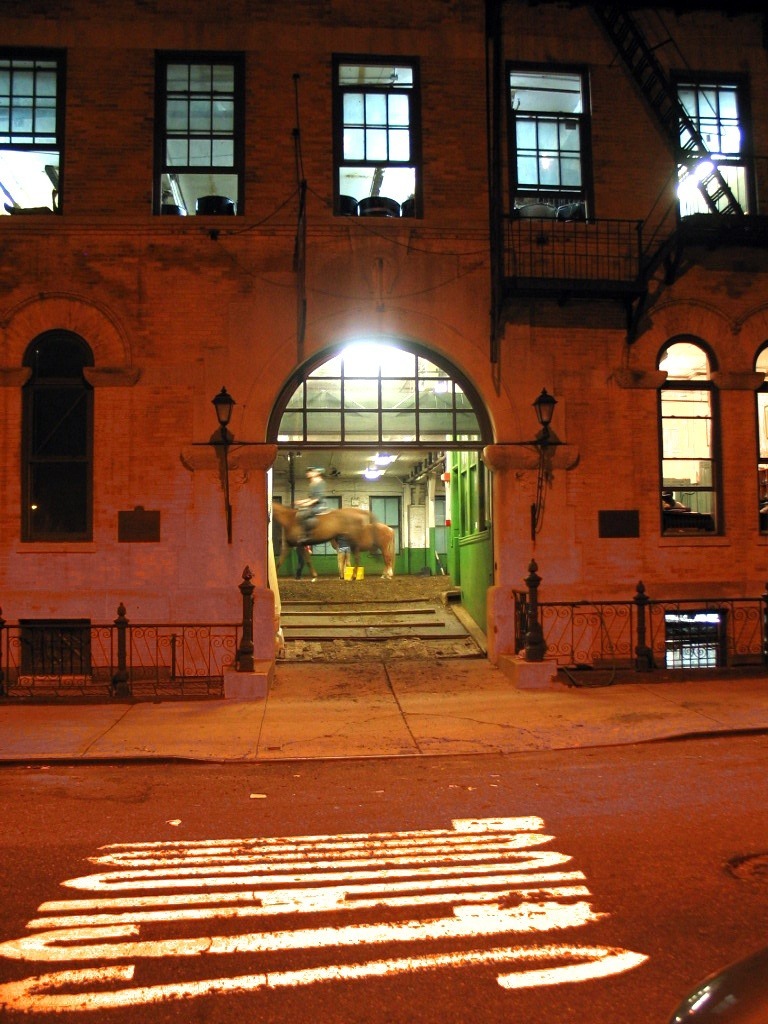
column 737, row 994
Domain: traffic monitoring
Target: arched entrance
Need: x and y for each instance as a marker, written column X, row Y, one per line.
column 398, row 432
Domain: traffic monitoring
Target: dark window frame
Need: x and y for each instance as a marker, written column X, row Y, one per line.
column 374, row 500
column 59, row 58
column 164, row 58
column 34, row 528
column 699, row 80
column 715, row 488
column 761, row 430
column 414, row 123
column 561, row 195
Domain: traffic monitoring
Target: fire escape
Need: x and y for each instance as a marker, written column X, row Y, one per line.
column 612, row 259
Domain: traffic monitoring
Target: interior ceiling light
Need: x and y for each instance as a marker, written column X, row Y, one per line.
column 373, row 474
column 383, row 459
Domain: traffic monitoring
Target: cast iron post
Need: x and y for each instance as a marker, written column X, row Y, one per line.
column 120, row 685
column 643, row 653
column 535, row 648
column 245, row 650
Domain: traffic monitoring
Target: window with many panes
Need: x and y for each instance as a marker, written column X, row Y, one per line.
column 386, row 509
column 549, row 141
column 689, row 468
column 31, row 130
column 717, row 110
column 376, row 138
column 379, row 394
column 57, row 440
column 199, row 134
column 761, row 398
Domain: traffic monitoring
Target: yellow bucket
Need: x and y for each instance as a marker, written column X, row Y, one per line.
column 349, row 571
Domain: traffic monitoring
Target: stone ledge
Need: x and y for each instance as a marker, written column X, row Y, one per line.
column 529, row 675
column 249, row 685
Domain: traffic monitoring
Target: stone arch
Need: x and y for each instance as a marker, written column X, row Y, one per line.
column 444, row 372
column 91, row 321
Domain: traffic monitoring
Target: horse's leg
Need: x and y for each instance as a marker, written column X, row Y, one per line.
column 312, row 570
column 355, row 561
column 389, row 560
column 284, row 550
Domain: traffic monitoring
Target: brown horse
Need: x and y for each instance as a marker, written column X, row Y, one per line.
column 363, row 532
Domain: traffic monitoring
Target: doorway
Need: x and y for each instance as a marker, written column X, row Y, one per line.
column 393, row 428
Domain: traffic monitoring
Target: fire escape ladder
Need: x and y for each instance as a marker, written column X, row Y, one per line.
column 684, row 137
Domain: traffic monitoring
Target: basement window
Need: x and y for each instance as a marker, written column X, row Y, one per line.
column 694, row 639
column 55, row 647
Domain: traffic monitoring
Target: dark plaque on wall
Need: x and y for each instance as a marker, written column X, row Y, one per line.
column 138, row 526
column 618, row 522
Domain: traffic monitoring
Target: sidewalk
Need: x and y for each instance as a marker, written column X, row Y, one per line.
column 401, row 708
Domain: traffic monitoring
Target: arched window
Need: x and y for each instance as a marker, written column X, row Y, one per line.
column 689, row 468
column 761, row 366
column 57, row 440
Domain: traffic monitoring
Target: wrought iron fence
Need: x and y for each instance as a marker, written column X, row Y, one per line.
column 646, row 634
column 596, row 250
column 76, row 659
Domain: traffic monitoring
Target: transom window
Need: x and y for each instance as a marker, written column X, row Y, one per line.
column 716, row 110
column 373, row 394
column 57, row 440
column 199, row 134
column 377, row 144
column 548, row 137
column 689, row 470
column 31, row 130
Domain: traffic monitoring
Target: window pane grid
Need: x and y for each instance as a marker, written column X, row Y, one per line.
column 376, row 128
column 547, row 111
column 28, row 102
column 199, row 116
column 368, row 403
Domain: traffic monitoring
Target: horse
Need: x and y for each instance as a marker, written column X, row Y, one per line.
column 362, row 530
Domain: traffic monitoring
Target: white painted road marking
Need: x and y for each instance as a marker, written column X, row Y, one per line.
column 482, row 879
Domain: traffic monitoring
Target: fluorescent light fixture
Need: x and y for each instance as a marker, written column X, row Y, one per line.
column 373, row 474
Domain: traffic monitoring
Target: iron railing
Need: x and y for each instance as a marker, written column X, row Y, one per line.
column 605, row 250
column 118, row 659
column 646, row 635
column 77, row 658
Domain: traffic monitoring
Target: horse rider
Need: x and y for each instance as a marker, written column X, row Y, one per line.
column 308, row 508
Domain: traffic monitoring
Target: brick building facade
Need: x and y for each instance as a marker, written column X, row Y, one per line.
column 170, row 308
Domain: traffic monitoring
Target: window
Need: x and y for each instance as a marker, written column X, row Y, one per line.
column 441, row 530
column 688, row 465
column 199, row 143
column 380, row 395
column 55, row 647
column 761, row 366
column 57, row 440
column 377, row 141
column 716, row 109
column 694, row 639
column 549, row 130
column 31, row 130
column 387, row 510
